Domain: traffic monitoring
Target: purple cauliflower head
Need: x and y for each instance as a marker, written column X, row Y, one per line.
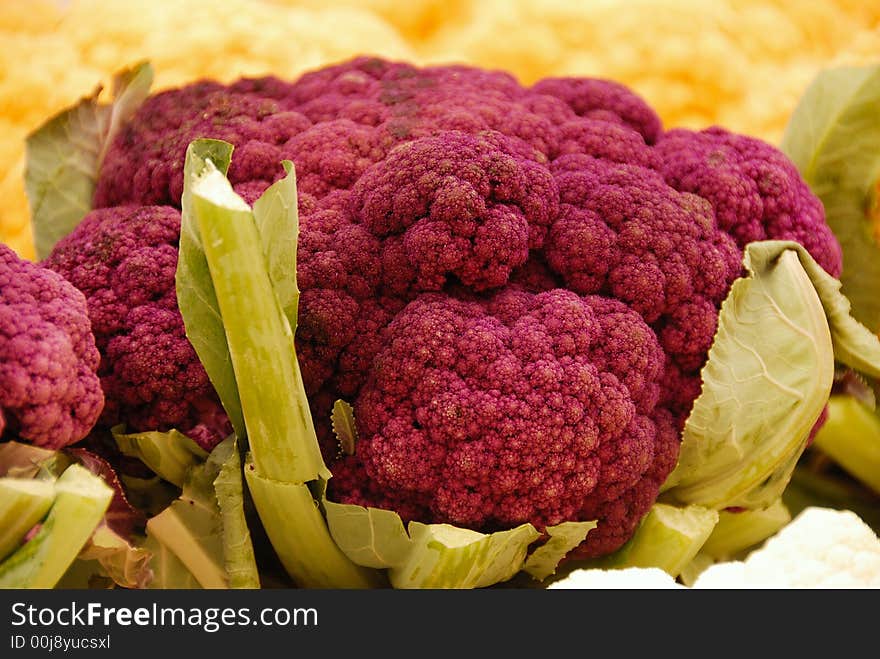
column 605, row 100
column 516, row 286
column 50, row 393
column 468, row 206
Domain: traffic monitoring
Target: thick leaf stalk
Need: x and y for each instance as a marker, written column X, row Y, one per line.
column 81, row 499
column 851, row 437
column 668, row 538
column 284, row 461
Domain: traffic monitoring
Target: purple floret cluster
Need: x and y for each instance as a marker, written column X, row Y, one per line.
column 124, row 260
column 50, row 394
column 515, row 286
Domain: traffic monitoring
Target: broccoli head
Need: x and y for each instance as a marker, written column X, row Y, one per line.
column 517, row 286
column 50, row 393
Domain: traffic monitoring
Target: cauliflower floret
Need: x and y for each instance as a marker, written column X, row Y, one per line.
column 820, row 548
column 49, row 390
column 753, row 187
column 124, row 260
column 638, row 578
column 519, row 408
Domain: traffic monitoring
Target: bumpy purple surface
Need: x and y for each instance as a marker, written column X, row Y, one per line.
column 454, row 200
column 552, row 394
column 753, row 187
column 50, row 394
column 124, row 260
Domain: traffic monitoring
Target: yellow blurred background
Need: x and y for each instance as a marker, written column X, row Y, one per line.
column 739, row 63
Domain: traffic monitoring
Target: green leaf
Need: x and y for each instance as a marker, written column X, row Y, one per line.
column 108, row 554
column 259, row 337
column 18, row 460
column 277, row 219
column 691, row 572
column 238, row 551
column 564, row 537
column 833, row 137
column 191, row 529
column 300, row 536
column 80, row 502
column 285, row 461
column 669, row 537
column 169, row 454
column 85, row 575
column 835, row 489
column 344, row 427
column 196, row 297
column 854, row 344
column 445, row 556
column 65, row 154
column 169, row 572
column 766, row 381
column 205, row 528
column 372, row 537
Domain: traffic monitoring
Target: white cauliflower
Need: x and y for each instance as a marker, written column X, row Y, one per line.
column 631, row 577
column 820, row 548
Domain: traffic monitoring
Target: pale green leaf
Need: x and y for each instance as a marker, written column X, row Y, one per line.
column 299, row 534
column 277, row 219
column 737, row 531
column 169, row 572
column 445, row 556
column 833, row 137
column 854, row 344
column 668, row 537
column 81, row 499
column 169, row 454
column 285, row 458
column 544, row 560
column 851, row 437
column 205, row 528
column 64, row 156
column 238, row 551
column 19, row 460
column 108, row 554
column 23, row 503
column 259, row 338
column 196, row 297
column 344, row 426
column 372, row 537
column 766, row 381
